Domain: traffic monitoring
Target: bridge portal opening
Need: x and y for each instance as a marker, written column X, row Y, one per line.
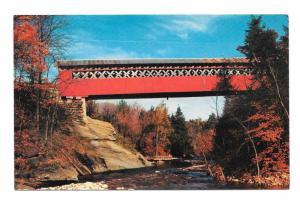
column 194, row 107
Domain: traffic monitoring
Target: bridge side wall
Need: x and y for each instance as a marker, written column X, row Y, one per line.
column 115, row 86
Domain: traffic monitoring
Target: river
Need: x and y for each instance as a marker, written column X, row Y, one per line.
column 172, row 175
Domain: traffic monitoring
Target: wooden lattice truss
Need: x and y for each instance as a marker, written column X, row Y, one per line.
column 159, row 71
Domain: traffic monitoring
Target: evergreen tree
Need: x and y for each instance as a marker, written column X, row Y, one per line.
column 252, row 134
column 211, row 122
column 268, row 54
column 179, row 138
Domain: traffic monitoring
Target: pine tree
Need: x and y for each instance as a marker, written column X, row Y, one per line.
column 252, row 134
column 179, row 138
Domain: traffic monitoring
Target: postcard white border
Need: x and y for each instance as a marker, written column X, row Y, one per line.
column 11, row 197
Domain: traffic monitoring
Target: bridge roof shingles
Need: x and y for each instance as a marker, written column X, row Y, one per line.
column 75, row 63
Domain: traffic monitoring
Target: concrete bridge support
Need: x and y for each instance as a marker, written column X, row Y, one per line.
column 75, row 108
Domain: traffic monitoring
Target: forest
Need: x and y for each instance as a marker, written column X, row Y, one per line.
column 155, row 132
column 248, row 142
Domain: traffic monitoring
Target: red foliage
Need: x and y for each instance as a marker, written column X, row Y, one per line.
column 149, row 149
column 267, row 130
column 267, row 124
column 27, row 143
column 128, row 122
column 150, row 146
column 274, row 158
column 29, row 50
column 204, row 142
column 31, row 91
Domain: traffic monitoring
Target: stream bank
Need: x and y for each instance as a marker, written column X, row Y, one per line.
column 179, row 175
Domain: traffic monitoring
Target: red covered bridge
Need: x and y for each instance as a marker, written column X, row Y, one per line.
column 150, row 78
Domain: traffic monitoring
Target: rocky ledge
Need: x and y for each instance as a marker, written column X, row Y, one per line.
column 98, row 151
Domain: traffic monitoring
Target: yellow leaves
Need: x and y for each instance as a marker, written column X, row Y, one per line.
column 162, row 121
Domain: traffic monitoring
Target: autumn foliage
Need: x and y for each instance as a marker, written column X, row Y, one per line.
column 37, row 112
column 252, row 135
column 265, row 124
column 30, row 51
column 148, row 131
column 204, row 142
column 154, row 132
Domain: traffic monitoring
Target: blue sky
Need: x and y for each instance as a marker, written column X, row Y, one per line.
column 163, row 36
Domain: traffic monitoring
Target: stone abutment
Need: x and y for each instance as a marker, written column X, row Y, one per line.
column 75, row 108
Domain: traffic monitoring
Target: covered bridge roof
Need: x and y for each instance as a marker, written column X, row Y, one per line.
column 126, row 62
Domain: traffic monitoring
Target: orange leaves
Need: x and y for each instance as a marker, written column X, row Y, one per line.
column 127, row 119
column 274, row 158
column 25, row 32
column 266, row 124
column 266, row 128
column 149, row 149
column 27, row 143
column 29, row 50
column 204, row 142
column 149, row 130
column 45, row 86
column 163, row 124
column 24, row 17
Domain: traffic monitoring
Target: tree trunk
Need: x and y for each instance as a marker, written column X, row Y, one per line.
column 38, row 104
column 53, row 118
column 253, row 145
column 207, row 164
column 156, row 143
column 256, row 157
column 47, row 125
column 278, row 91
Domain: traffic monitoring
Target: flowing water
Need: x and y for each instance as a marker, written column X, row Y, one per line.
column 172, row 175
